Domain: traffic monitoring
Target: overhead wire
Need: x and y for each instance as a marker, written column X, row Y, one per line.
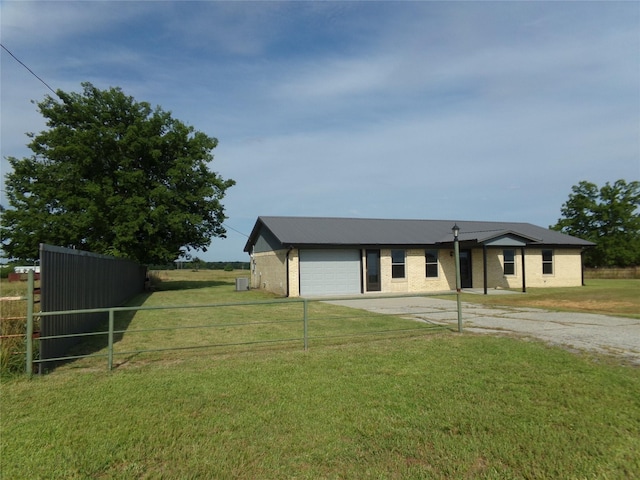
column 237, row 231
column 30, row 71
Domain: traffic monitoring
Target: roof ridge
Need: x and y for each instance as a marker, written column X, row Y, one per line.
column 312, row 217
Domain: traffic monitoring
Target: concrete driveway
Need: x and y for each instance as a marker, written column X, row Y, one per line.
column 598, row 333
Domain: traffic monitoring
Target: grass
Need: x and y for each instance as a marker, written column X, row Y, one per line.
column 274, row 321
column 440, row 406
column 607, row 297
column 427, row 405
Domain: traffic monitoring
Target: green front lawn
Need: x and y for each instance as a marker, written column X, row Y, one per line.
column 433, row 404
column 439, row 406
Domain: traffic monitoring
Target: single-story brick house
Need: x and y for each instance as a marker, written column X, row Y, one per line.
column 308, row 256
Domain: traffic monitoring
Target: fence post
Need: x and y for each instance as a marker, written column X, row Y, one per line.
column 110, row 347
column 29, row 339
column 306, row 323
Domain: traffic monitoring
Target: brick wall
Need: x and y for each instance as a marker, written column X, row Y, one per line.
column 294, row 273
column 268, row 271
column 567, row 269
column 415, row 273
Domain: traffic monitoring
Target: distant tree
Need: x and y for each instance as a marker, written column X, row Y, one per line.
column 113, row 176
column 196, row 263
column 608, row 216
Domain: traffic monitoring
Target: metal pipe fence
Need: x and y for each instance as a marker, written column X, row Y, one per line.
column 294, row 321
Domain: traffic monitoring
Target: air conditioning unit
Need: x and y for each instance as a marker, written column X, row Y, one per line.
column 242, row 284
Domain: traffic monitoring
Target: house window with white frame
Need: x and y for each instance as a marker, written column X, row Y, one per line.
column 431, row 258
column 509, row 261
column 547, row 262
column 397, row 264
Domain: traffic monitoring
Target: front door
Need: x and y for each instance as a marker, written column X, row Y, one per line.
column 373, row 271
column 465, row 269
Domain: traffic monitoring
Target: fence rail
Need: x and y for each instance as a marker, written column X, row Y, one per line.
column 301, row 318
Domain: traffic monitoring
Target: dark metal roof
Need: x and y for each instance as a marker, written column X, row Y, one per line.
column 323, row 231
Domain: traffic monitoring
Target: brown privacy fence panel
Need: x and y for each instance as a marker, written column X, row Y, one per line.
column 76, row 280
column 612, row 272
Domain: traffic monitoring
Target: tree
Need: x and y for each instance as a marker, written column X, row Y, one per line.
column 196, row 263
column 609, row 217
column 113, row 176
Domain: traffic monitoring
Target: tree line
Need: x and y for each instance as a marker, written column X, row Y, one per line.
column 197, row 264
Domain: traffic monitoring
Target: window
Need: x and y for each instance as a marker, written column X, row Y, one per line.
column 547, row 262
column 431, row 257
column 509, row 262
column 397, row 263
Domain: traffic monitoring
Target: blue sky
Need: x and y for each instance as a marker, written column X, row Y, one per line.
column 436, row 110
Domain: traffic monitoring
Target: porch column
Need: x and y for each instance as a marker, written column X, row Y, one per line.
column 524, row 276
column 484, row 267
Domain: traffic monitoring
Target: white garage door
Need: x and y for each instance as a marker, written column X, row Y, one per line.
column 329, row 272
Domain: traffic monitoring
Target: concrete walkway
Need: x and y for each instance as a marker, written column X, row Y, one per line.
column 598, row 333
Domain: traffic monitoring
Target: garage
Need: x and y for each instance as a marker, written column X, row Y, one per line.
column 330, row 272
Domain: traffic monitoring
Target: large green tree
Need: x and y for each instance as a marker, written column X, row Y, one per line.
column 114, row 176
column 608, row 216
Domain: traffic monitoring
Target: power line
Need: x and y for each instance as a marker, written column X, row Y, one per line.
column 30, row 71
column 237, row 231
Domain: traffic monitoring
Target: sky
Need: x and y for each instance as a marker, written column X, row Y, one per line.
column 428, row 110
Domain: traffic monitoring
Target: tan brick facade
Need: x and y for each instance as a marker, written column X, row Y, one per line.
column 567, row 269
column 294, row 273
column 269, row 271
column 415, row 273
